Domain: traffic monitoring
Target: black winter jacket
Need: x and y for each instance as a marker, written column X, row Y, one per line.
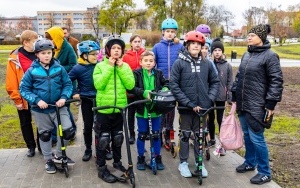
column 138, row 90
column 258, row 83
column 193, row 82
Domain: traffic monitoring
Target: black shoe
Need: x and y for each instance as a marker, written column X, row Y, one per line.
column 260, row 179
column 244, row 168
column 119, row 166
column 30, row 152
column 50, row 167
column 105, row 175
column 141, row 164
column 211, row 143
column 108, row 155
column 132, row 139
column 87, row 155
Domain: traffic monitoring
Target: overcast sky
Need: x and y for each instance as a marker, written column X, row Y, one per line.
column 11, row 8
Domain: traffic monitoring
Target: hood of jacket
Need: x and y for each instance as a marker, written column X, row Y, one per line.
column 185, row 55
column 57, row 35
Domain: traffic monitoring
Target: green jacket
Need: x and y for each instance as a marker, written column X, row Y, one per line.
column 111, row 84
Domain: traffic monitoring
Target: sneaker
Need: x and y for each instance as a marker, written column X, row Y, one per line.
column 119, row 166
column 211, row 143
column 59, row 160
column 184, row 170
column 87, row 155
column 159, row 164
column 105, row 175
column 30, row 152
column 260, row 179
column 244, row 168
column 141, row 164
column 222, row 152
column 204, row 171
column 50, row 167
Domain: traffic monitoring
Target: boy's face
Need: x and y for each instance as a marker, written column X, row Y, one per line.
column 136, row 44
column 169, row 34
column 28, row 44
column 116, row 51
column 217, row 53
column 92, row 56
column 148, row 62
column 204, row 50
column 194, row 48
column 45, row 56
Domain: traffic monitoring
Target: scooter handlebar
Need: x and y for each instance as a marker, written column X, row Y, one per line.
column 54, row 105
column 204, row 110
column 121, row 108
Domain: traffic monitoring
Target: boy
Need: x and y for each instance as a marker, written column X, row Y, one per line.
column 148, row 79
column 47, row 82
column 112, row 77
column 166, row 52
column 83, row 74
column 194, row 83
column 226, row 80
column 19, row 61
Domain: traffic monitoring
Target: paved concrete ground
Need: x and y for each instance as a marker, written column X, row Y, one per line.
column 17, row 170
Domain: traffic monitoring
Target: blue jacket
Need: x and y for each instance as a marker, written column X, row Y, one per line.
column 47, row 85
column 166, row 52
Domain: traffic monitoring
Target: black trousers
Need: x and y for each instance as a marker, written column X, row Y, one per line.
column 131, row 116
column 26, row 127
column 88, row 120
column 211, row 119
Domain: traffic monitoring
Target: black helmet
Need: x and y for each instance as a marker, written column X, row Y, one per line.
column 162, row 102
column 43, row 44
column 114, row 39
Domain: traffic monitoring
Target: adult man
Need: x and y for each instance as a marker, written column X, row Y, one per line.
column 73, row 41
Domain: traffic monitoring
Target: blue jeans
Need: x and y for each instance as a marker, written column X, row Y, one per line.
column 256, row 148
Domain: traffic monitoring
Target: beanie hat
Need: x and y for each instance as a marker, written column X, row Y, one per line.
column 261, row 30
column 113, row 43
column 217, row 44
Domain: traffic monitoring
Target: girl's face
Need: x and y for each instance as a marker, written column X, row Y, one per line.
column 217, row 53
column 169, row 34
column 204, row 51
column 93, row 56
column 194, row 48
column 136, row 44
column 148, row 62
column 45, row 56
column 28, row 44
column 116, row 51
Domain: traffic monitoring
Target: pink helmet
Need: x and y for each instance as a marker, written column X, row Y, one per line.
column 203, row 29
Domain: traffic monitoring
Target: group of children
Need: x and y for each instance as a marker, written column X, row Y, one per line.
column 196, row 81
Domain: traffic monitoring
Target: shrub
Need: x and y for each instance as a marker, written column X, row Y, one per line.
column 151, row 37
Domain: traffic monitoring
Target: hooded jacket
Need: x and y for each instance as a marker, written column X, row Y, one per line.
column 166, row 52
column 133, row 58
column 258, row 83
column 63, row 50
column 194, row 82
column 49, row 85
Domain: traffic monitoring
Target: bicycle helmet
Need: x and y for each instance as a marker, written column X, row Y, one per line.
column 162, row 102
column 42, row 44
column 87, row 46
column 208, row 42
column 203, row 28
column 114, row 40
column 169, row 23
column 195, row 36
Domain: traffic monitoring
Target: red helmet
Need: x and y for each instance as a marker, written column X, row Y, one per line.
column 195, row 36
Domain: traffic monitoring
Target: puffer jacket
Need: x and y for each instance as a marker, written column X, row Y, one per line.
column 133, row 58
column 83, row 74
column 166, row 52
column 194, row 82
column 226, row 79
column 111, row 84
column 258, row 83
column 47, row 85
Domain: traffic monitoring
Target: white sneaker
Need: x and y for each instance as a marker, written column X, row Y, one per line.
column 184, row 170
column 222, row 152
column 204, row 171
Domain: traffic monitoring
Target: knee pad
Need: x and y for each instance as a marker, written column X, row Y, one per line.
column 185, row 135
column 142, row 136
column 155, row 135
column 45, row 136
column 118, row 138
column 103, row 140
column 69, row 133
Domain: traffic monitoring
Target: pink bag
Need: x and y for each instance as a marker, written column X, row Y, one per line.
column 231, row 134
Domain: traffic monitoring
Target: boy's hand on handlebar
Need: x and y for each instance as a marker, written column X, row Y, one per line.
column 42, row 104
column 197, row 109
column 60, row 102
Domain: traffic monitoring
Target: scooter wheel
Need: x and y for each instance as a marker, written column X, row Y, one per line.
column 207, row 155
column 66, row 171
column 200, row 181
column 132, row 181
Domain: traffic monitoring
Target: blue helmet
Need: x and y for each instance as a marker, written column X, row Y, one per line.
column 208, row 42
column 87, row 46
column 169, row 23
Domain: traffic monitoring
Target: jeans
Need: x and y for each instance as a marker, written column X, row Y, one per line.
column 256, row 148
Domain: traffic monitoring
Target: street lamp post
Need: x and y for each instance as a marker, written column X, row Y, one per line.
column 115, row 28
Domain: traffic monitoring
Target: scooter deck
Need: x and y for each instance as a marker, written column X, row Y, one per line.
column 117, row 173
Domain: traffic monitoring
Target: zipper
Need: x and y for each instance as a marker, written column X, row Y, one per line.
column 169, row 66
column 115, row 87
column 243, row 85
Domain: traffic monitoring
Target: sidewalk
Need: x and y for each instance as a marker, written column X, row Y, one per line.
column 17, row 170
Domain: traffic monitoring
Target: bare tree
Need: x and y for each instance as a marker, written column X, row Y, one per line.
column 92, row 20
column 69, row 24
column 254, row 16
column 24, row 23
column 50, row 19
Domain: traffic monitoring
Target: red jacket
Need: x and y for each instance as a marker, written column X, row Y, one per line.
column 133, row 58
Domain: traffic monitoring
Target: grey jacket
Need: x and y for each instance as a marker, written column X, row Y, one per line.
column 226, row 79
